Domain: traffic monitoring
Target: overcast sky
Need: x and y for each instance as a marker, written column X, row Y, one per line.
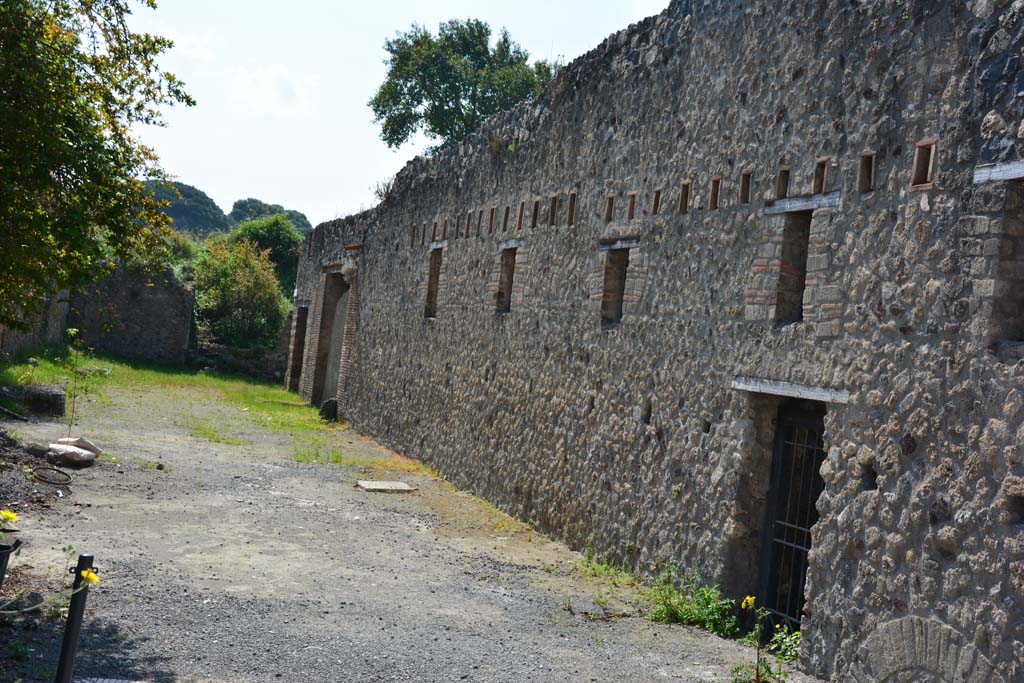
column 282, row 87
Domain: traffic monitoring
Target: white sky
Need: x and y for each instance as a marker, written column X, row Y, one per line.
column 282, row 88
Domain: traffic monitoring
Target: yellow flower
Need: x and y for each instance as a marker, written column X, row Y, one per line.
column 9, row 516
column 90, row 576
column 778, row 626
column 747, row 602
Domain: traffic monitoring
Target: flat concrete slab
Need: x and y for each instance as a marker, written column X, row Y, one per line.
column 385, row 486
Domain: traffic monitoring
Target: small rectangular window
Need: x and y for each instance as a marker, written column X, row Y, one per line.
column 616, row 264
column 716, row 187
column 536, row 213
column 793, row 267
column 746, row 179
column 479, row 221
column 469, row 223
column 433, row 280
column 609, row 209
column 924, row 163
column 503, row 297
column 553, row 210
column 820, row 172
column 656, row 204
column 522, row 215
column 433, row 233
column 423, row 237
column 412, row 236
column 684, row 197
column 504, row 220
column 782, row 183
column 572, row 209
column 866, row 175
column 631, row 207
column 490, row 220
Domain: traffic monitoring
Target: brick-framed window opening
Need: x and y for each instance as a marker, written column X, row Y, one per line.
column 506, row 276
column 684, row 197
column 820, row 176
column 615, row 266
column 746, row 180
column 782, row 183
column 924, row 164
column 656, row 204
column 796, row 235
column 572, row 209
column 553, row 210
column 866, row 173
column 716, row 188
column 433, row 280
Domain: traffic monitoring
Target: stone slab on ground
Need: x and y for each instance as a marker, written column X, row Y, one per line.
column 385, row 486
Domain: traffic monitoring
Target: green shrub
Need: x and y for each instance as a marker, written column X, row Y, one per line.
column 238, row 296
column 181, row 247
column 276, row 234
column 685, row 600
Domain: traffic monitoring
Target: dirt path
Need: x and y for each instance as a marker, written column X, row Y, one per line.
column 236, row 563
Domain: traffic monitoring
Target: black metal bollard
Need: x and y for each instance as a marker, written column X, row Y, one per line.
column 76, row 610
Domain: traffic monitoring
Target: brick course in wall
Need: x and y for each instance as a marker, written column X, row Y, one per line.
column 653, row 440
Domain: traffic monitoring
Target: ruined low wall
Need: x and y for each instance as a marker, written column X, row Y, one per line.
column 47, row 328
column 722, row 217
column 135, row 314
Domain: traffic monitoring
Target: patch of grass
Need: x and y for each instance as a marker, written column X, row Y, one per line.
column 18, row 652
column 107, row 457
column 393, row 462
column 685, row 600
column 205, row 430
column 591, row 566
column 498, row 521
column 148, row 464
column 270, row 404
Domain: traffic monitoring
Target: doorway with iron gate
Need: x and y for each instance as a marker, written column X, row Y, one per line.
column 795, row 486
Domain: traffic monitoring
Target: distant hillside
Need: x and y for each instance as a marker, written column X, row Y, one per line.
column 244, row 209
column 193, row 212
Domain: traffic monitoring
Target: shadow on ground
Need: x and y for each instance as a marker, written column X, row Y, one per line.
column 31, row 649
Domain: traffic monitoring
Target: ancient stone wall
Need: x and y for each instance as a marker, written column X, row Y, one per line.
column 722, row 216
column 46, row 328
column 143, row 315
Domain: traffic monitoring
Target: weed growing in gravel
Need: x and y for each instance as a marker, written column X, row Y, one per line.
column 591, row 566
column 205, row 430
column 685, row 600
column 782, row 645
column 311, row 454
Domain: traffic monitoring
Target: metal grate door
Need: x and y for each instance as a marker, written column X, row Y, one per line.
column 795, row 486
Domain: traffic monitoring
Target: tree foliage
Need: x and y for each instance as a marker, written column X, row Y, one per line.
column 280, row 239
column 73, row 80
column 448, row 84
column 245, row 209
column 238, row 294
column 190, row 209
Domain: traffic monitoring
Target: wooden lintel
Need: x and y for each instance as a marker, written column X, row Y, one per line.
column 791, row 390
column 806, row 203
column 1011, row 170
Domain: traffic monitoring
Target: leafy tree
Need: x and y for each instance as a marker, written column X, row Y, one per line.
column 244, row 209
column 238, row 295
column 278, row 236
column 189, row 208
column 447, row 85
column 73, row 80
